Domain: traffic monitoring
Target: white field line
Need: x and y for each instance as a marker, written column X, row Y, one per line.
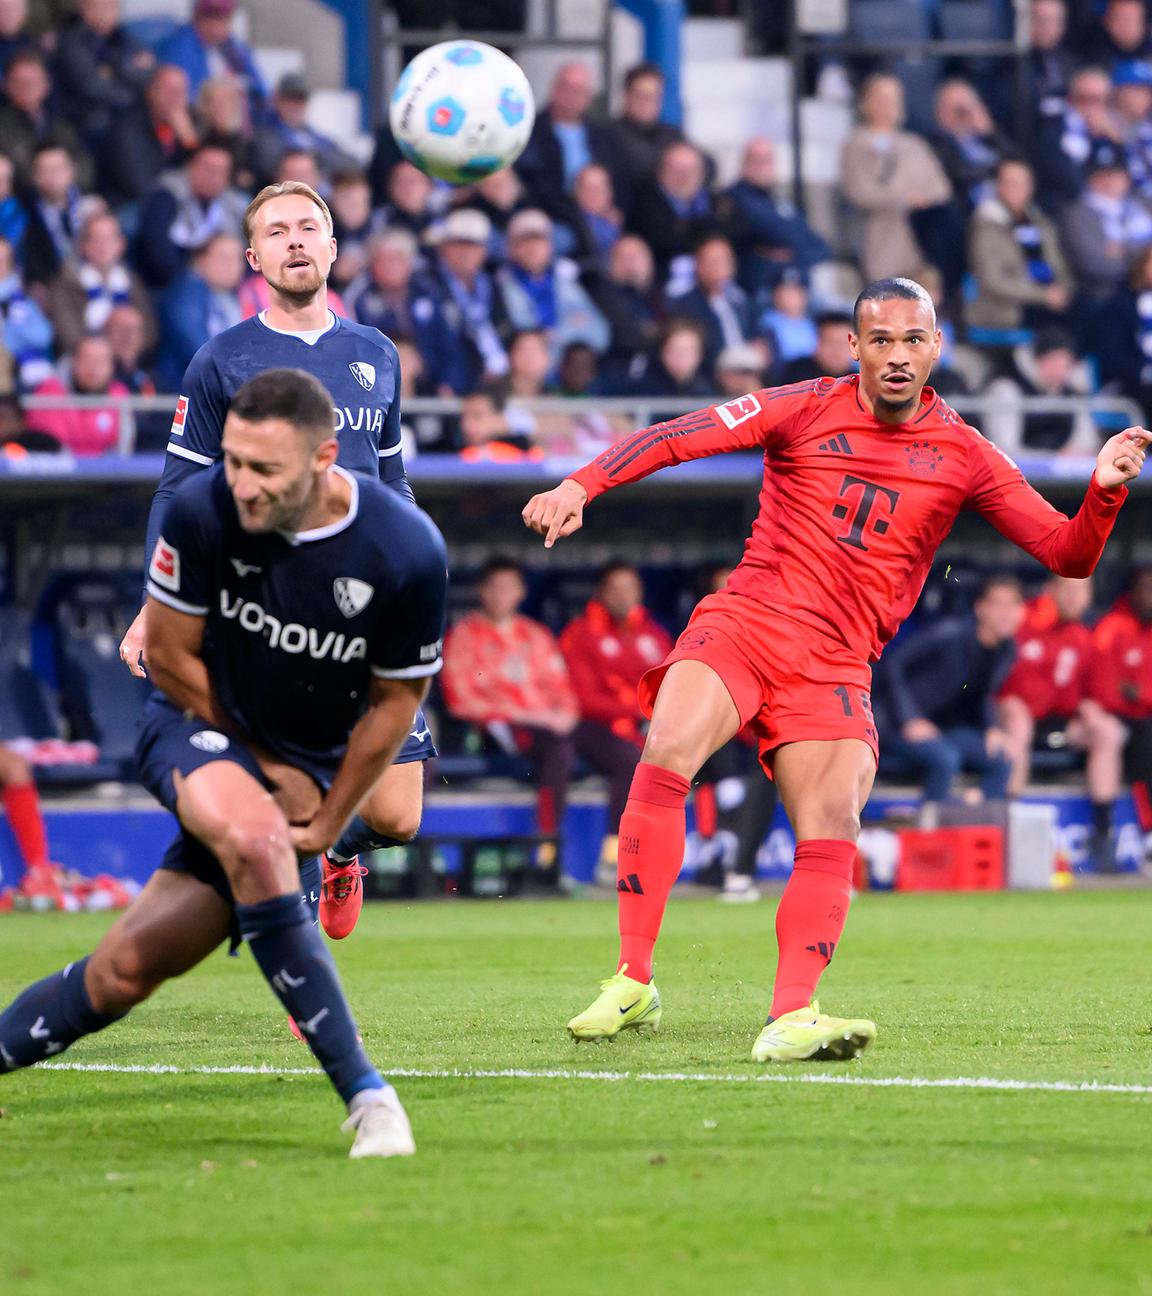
column 675, row 1077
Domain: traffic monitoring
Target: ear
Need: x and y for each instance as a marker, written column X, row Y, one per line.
column 325, row 454
column 252, row 259
column 937, row 344
column 854, row 345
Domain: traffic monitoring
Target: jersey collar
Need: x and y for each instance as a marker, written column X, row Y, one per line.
column 302, row 335
column 333, row 528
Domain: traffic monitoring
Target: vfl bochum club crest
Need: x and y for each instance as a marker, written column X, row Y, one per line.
column 364, row 373
column 352, row 595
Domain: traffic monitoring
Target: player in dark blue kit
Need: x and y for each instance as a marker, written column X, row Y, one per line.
column 295, row 613
column 289, row 229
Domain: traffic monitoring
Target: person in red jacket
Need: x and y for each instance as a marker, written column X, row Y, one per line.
column 1045, row 704
column 1122, row 683
column 608, row 648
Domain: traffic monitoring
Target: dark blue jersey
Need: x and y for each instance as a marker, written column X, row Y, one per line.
column 357, row 364
column 297, row 625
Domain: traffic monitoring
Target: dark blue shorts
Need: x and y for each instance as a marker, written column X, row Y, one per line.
column 418, row 746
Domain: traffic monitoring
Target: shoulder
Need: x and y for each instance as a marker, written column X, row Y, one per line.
column 367, row 334
column 199, row 498
column 405, row 531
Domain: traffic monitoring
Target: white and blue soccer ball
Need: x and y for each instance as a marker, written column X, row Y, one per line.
column 462, row 110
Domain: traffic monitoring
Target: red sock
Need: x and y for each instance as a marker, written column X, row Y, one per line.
column 22, row 806
column 651, row 853
column 810, row 919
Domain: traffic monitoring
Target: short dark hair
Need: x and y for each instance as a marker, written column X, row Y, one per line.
column 501, row 563
column 493, row 395
column 835, row 319
column 892, row 290
column 288, row 394
column 614, row 565
column 641, row 70
column 998, row 580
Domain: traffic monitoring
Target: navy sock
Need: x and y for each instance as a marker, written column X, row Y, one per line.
column 358, row 837
column 47, row 1017
column 297, row 965
column 1102, row 818
column 311, row 880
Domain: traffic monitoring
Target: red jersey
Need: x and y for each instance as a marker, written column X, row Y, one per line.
column 1052, row 671
column 1122, row 672
column 491, row 672
column 606, row 659
column 852, row 510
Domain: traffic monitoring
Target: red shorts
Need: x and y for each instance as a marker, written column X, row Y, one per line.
column 788, row 682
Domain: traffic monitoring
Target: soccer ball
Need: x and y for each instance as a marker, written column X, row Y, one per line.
column 462, row 110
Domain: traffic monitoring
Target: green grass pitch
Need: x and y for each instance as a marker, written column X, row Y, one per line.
column 196, row 1184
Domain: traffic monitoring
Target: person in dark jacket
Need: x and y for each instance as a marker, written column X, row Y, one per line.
column 563, row 140
column 157, row 134
column 717, row 302
column 100, row 70
column 639, row 136
column 676, row 369
column 28, row 122
column 56, row 212
column 206, row 47
column 935, row 706
column 831, row 359
column 675, row 209
column 202, row 302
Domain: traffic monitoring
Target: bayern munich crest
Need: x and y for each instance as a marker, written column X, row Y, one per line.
column 923, row 458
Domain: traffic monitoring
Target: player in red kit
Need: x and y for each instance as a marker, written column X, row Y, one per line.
column 863, row 477
column 1046, row 703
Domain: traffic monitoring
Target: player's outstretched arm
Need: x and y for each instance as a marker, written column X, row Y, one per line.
column 558, row 512
column 372, row 747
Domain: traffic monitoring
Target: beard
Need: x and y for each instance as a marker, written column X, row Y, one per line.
column 298, row 286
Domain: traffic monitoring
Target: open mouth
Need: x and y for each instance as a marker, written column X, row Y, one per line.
column 897, row 381
column 299, row 263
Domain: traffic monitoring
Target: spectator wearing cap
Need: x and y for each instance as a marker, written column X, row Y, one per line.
column 410, row 194
column 540, row 290
column 390, row 296
column 742, row 369
column 788, row 322
column 1132, row 108
column 184, row 210
column 770, row 235
column 674, row 210
column 1122, row 34
column 890, row 175
column 286, row 127
column 1015, row 257
column 25, row 331
column 675, row 368
column 716, row 302
column 157, row 134
column 639, row 135
column 831, row 358
column 15, row 38
column 563, row 141
column 1086, row 133
column 100, row 69
column 94, row 281
column 202, row 302
column 468, row 297
column 89, row 371
column 27, row 120
column 1048, row 64
column 1049, row 367
column 1104, row 230
column 206, row 48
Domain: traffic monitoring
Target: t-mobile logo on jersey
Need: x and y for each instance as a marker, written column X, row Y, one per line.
column 867, row 499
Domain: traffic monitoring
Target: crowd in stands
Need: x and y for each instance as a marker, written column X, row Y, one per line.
column 966, row 705
column 612, row 245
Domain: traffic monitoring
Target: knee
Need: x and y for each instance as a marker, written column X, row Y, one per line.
column 254, row 853
column 1107, row 733
column 666, row 750
column 829, row 820
column 14, row 770
column 398, row 823
column 941, row 757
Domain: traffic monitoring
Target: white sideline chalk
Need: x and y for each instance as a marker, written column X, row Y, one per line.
column 991, row 1083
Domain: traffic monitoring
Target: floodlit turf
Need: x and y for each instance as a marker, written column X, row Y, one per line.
column 199, row 1184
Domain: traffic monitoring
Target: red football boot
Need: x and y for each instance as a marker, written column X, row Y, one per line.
column 341, row 896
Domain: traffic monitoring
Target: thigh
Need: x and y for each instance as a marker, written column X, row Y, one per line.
column 694, row 714
column 972, row 746
column 825, row 785
column 173, row 924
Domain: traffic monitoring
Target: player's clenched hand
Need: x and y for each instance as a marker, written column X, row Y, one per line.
column 313, row 838
column 293, row 791
column 557, row 512
column 1121, row 457
column 132, row 646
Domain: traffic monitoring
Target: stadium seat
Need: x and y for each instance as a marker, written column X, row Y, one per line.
column 149, row 32
column 26, row 710
column 879, row 21
column 975, row 20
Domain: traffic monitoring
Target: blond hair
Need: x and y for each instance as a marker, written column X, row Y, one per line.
column 281, row 190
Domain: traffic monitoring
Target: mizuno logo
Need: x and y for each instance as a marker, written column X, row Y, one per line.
column 630, row 885
column 420, row 735
column 838, row 445
column 244, row 569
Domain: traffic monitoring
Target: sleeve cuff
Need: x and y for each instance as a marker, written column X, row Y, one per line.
column 162, row 596
column 409, row 672
column 1111, row 498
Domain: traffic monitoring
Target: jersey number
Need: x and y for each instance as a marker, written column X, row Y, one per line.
column 863, row 500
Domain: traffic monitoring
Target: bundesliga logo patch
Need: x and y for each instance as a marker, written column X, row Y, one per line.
column 740, row 410
column 180, row 416
column 365, row 374
column 352, row 595
column 164, row 568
